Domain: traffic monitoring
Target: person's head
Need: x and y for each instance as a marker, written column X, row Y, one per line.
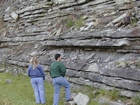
column 58, row 57
column 34, row 62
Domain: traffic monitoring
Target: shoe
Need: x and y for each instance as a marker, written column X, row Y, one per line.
column 71, row 99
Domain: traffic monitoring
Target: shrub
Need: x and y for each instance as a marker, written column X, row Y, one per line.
column 114, row 94
column 93, row 102
column 70, row 23
column 1, row 22
column 102, row 92
column 136, row 100
column 79, row 22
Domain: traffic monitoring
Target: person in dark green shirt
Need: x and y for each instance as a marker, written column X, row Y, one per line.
column 57, row 72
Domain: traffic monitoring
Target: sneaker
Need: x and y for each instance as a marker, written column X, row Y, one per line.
column 71, row 99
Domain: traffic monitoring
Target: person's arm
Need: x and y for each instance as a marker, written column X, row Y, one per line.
column 29, row 71
column 42, row 72
column 63, row 69
column 50, row 71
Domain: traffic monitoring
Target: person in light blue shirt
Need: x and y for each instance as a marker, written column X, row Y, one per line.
column 37, row 75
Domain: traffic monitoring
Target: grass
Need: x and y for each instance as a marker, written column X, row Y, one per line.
column 136, row 99
column 114, row 94
column 70, row 23
column 1, row 23
column 87, row 90
column 102, row 92
column 79, row 22
column 20, row 91
column 133, row 21
column 76, row 22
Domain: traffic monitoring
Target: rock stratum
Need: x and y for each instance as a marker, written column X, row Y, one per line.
column 98, row 39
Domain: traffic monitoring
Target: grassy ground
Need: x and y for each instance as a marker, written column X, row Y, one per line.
column 20, row 91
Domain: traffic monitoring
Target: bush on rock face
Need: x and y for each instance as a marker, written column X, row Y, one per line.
column 1, row 23
column 136, row 100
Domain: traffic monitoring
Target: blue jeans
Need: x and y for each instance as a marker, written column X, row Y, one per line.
column 58, row 82
column 39, row 92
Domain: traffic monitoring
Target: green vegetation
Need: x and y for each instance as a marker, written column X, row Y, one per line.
column 102, row 92
column 136, row 99
column 114, row 94
column 94, row 102
column 70, row 23
column 20, row 92
column 77, row 22
column 1, row 22
column 134, row 20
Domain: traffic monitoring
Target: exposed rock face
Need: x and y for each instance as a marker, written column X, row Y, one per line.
column 99, row 54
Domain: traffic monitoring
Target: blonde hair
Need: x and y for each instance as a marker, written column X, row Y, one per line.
column 34, row 62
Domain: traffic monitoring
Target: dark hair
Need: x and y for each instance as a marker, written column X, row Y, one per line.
column 57, row 56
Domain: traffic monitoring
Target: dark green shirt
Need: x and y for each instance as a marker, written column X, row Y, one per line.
column 57, row 69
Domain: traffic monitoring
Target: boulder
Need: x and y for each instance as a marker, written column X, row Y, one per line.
column 8, row 81
column 14, row 15
column 81, row 99
column 1, row 70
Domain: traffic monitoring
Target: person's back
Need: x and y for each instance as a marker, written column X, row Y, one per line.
column 36, row 73
column 57, row 69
